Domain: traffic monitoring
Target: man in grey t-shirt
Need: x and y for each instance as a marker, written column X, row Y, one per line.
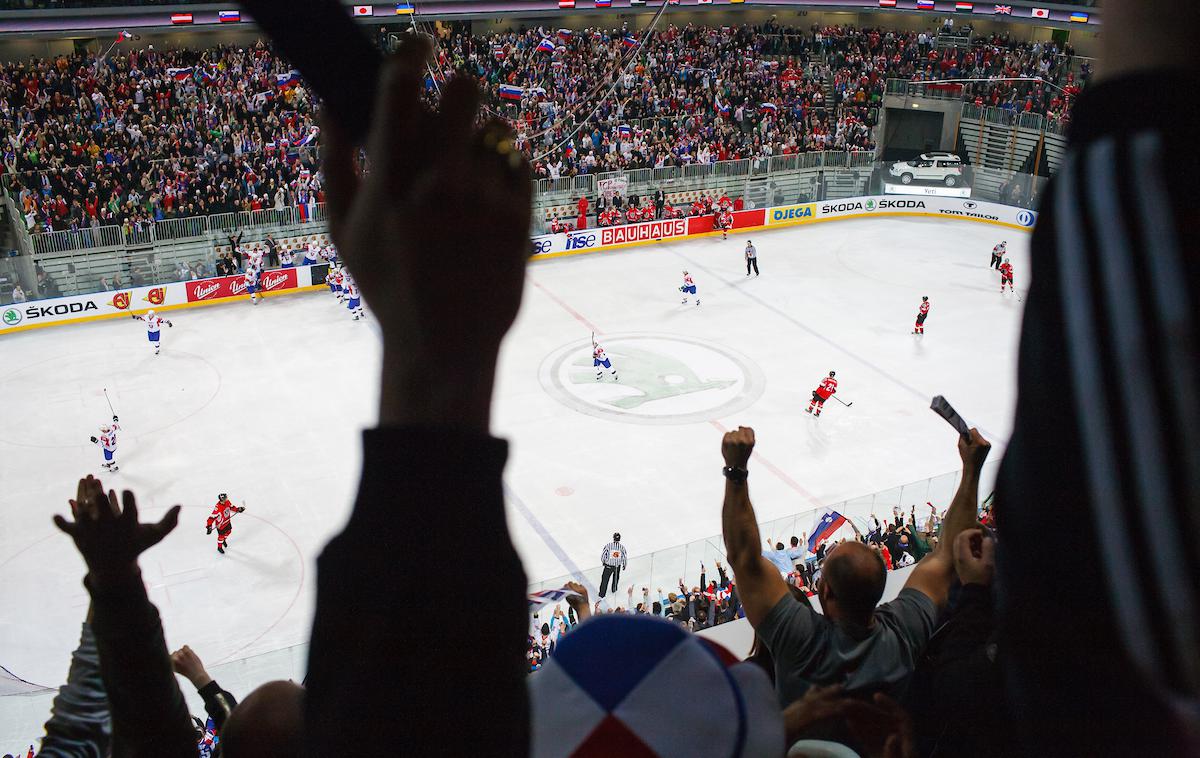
column 853, row 642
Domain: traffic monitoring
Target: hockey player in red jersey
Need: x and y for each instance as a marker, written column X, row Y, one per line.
column 724, row 223
column 922, row 312
column 1006, row 276
column 822, row 393
column 222, row 520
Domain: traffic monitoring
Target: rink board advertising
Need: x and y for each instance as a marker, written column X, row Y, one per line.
column 79, row 308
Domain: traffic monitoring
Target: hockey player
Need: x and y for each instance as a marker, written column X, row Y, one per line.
column 998, row 252
column 339, row 283
column 331, row 280
column 922, row 312
column 724, row 223
column 822, row 393
column 353, row 303
column 286, row 257
column 222, row 520
column 602, row 361
column 108, row 443
column 312, row 253
column 688, row 288
column 1006, row 276
column 330, row 254
column 724, row 203
column 250, row 278
column 153, row 326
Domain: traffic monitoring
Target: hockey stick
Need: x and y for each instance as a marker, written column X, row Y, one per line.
column 843, row 402
column 942, row 407
column 110, row 408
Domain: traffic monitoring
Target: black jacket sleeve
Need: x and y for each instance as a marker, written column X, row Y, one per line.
column 149, row 715
column 379, row 680
column 218, row 703
column 79, row 725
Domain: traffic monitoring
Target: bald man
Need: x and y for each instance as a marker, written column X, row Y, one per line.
column 269, row 723
column 856, row 643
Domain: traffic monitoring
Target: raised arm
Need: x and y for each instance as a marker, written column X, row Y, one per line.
column 935, row 573
column 759, row 583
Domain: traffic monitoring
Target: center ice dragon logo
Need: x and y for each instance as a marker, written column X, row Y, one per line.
column 663, row 379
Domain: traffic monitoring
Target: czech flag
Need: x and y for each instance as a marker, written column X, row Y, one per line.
column 229, row 17
column 565, row 35
column 509, row 92
column 546, row 46
column 828, row 524
column 630, row 41
column 181, row 18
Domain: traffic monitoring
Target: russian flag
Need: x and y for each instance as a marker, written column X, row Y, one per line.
column 509, row 92
column 288, row 79
column 828, row 524
column 768, row 108
column 180, row 74
column 229, row 17
column 924, row 5
column 498, row 52
column 605, row 3
column 308, row 140
column 630, row 41
column 624, row 131
column 546, row 46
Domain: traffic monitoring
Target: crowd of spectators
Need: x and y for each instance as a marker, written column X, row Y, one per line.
column 147, row 135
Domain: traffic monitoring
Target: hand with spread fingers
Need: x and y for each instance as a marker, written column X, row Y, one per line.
column 110, row 537
column 435, row 231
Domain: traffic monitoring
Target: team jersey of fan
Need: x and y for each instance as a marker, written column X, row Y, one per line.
column 924, row 310
column 153, row 323
column 108, row 440
column 827, row 388
column 222, row 514
column 1006, row 270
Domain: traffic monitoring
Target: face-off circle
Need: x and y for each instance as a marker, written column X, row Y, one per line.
column 662, row 379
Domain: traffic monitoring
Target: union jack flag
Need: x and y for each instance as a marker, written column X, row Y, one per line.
column 1003, row 10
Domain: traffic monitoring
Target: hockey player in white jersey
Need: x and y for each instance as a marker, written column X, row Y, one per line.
column 689, row 288
column 353, row 302
column 153, row 326
column 312, row 253
column 108, row 443
column 601, row 361
column 286, row 258
column 251, row 280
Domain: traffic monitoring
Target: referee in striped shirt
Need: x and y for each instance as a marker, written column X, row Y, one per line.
column 1098, row 499
column 613, row 560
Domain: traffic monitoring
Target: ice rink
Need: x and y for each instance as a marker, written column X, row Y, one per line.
column 266, row 403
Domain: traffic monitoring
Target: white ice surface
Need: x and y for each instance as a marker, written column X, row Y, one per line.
column 266, row 403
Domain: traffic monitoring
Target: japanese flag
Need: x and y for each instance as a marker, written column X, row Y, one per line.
column 364, row 10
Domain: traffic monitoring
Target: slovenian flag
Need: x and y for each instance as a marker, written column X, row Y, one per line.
column 826, row 527
column 630, row 41
column 1079, row 18
column 624, row 131
column 509, row 92
column 181, row 18
column 565, row 35
column 966, row 7
column 229, row 17
column 924, row 5
column 283, row 81
column 768, row 108
column 546, row 46
column 404, row 9
column 180, row 74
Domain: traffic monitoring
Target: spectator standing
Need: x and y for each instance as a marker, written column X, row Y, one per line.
column 272, row 251
column 613, row 560
column 660, row 201
column 18, row 294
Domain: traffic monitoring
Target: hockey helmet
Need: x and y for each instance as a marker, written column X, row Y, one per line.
column 833, row 373
column 924, row 298
column 222, row 496
column 685, row 273
column 105, row 428
column 150, row 312
column 1006, row 260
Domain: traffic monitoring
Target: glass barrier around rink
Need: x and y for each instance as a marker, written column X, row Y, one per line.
column 665, row 569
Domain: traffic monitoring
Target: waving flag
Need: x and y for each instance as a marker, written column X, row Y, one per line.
column 630, row 41
column 509, row 92
column 180, row 74
column 229, row 17
column 282, row 81
column 309, row 138
column 546, row 46
column 565, row 35
column 771, row 108
column 498, row 52
column 624, row 131
column 124, row 36
column 828, row 524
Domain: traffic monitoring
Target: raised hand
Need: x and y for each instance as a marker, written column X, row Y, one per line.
column 736, row 447
column 109, row 537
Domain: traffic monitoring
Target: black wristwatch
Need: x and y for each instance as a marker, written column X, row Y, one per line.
column 735, row 474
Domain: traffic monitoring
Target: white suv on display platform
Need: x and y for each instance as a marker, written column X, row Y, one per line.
column 931, row 167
